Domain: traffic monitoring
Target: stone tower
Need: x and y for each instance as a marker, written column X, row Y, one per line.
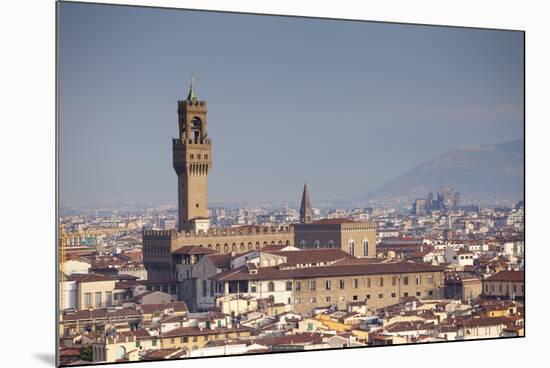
column 192, row 157
column 305, row 207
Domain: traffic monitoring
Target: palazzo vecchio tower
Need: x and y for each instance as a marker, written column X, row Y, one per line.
column 192, row 159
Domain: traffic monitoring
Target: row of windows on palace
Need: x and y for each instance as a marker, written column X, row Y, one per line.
column 328, row 298
column 351, row 245
column 500, row 289
column 242, row 248
column 217, row 287
column 98, row 302
column 303, row 244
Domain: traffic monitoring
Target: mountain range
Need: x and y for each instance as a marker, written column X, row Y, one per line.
column 488, row 172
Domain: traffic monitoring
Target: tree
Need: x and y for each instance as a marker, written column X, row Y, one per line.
column 86, row 353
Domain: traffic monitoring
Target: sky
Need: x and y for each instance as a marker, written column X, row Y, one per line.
column 342, row 105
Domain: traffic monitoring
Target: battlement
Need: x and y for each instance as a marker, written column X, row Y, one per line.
column 196, row 103
column 238, row 231
column 158, row 234
column 181, row 142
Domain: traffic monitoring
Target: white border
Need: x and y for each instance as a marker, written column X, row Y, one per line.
column 27, row 151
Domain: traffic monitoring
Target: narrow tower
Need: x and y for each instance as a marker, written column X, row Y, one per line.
column 305, row 207
column 192, row 157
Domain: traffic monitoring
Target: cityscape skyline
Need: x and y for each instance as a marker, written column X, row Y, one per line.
column 115, row 119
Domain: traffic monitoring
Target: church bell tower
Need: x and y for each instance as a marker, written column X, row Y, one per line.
column 192, row 158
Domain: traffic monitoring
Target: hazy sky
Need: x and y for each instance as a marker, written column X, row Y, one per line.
column 344, row 106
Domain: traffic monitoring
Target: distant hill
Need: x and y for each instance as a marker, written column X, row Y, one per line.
column 490, row 171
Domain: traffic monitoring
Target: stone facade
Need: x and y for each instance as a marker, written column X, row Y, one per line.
column 356, row 238
column 379, row 290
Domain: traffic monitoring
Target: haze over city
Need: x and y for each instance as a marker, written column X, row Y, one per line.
column 344, row 106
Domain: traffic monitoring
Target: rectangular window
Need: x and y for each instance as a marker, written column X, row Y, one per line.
column 328, row 299
column 418, row 293
column 380, row 296
column 298, row 286
column 405, row 294
column 109, row 298
column 368, row 282
column 355, row 283
column 393, row 281
column 297, row 300
column 154, row 342
column 381, row 281
column 342, row 298
column 98, row 299
column 430, row 293
column 312, row 300
column 253, row 289
column 355, row 297
column 88, row 300
column 368, row 296
column 312, row 285
column 327, row 284
column 342, row 284
column 418, row 280
column 430, row 279
column 406, row 280
column 393, row 295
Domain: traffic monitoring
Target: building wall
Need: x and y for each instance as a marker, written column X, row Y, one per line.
column 338, row 236
column 102, row 287
column 378, row 294
column 158, row 245
column 199, row 341
column 503, row 289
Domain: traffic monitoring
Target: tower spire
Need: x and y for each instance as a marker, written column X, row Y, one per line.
column 305, row 207
column 191, row 96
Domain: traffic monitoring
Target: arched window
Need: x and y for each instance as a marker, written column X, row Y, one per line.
column 351, row 244
column 242, row 247
column 280, row 242
column 271, row 286
column 317, row 244
column 217, row 247
column 331, row 243
column 257, row 245
column 249, row 246
column 233, row 247
column 365, row 247
column 287, row 242
column 226, row 247
column 303, row 244
column 210, row 246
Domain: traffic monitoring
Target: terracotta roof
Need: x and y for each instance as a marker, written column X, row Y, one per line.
column 484, row 321
column 195, row 331
column 191, row 249
column 294, row 257
column 275, row 273
column 89, row 277
column 163, row 354
column 100, row 313
column 221, row 260
column 152, row 308
column 297, row 339
column 506, row 276
column 334, row 221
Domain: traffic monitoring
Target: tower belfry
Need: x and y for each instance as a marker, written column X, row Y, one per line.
column 192, row 158
column 305, row 207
